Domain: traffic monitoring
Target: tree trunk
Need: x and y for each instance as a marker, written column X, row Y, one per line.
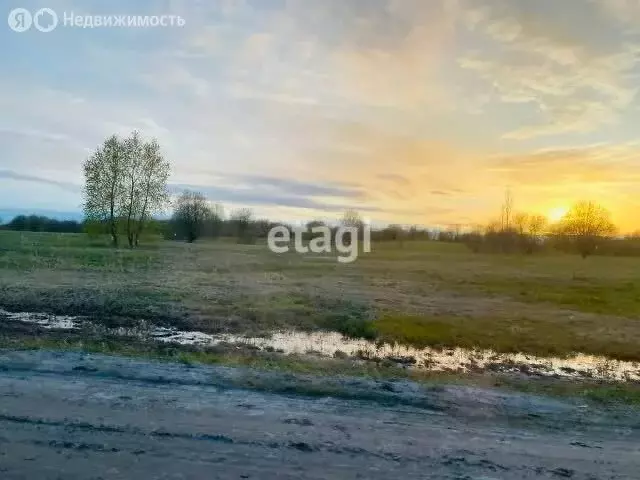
column 140, row 226
column 113, row 227
column 129, row 229
column 112, row 208
column 131, row 207
column 114, row 234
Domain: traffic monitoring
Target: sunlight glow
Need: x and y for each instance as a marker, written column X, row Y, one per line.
column 556, row 213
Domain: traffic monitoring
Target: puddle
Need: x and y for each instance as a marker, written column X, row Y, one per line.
column 50, row 322
column 331, row 344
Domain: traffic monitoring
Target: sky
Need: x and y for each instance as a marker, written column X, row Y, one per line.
column 409, row 111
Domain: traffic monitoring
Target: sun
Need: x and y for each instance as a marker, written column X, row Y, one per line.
column 556, row 213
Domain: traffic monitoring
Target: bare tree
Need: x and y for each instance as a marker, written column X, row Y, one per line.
column 352, row 218
column 521, row 223
column 537, row 226
column 493, row 227
column 191, row 214
column 241, row 219
column 394, row 232
column 507, row 209
column 475, row 238
column 215, row 221
column 586, row 224
column 104, row 188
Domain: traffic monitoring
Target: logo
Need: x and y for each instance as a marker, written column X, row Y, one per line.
column 20, row 20
column 321, row 239
column 45, row 20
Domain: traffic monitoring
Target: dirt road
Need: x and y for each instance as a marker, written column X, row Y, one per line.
column 75, row 416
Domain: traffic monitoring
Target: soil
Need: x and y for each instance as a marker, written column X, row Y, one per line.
column 84, row 416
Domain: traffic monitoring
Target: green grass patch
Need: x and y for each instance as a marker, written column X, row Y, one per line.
column 32, row 251
column 538, row 337
column 351, row 319
column 430, row 290
column 605, row 393
column 586, row 294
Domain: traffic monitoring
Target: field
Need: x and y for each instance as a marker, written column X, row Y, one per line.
column 417, row 293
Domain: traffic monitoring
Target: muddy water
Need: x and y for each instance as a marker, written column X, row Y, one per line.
column 50, row 322
column 334, row 344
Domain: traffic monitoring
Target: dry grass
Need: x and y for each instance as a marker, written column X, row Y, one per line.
column 423, row 293
column 538, row 336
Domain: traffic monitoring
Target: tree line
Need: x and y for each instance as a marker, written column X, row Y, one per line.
column 194, row 217
column 125, row 189
column 586, row 229
column 41, row 223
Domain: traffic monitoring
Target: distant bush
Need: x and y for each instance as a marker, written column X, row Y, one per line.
column 507, row 241
column 615, row 247
column 39, row 223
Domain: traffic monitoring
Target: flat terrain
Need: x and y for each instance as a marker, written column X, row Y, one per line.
column 66, row 413
column 76, row 416
column 419, row 293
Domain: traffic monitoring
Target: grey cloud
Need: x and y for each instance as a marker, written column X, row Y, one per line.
column 394, row 178
column 11, row 175
column 258, row 196
column 263, row 190
column 297, row 187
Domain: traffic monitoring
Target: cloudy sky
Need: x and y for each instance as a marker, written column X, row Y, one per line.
column 411, row 111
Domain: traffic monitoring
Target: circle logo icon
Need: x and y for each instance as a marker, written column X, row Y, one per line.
column 45, row 20
column 20, row 19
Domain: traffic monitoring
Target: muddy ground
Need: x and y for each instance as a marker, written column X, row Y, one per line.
column 81, row 416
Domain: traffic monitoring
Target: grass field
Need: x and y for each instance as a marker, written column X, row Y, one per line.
column 422, row 293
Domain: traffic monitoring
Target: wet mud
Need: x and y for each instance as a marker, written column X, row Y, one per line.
column 85, row 416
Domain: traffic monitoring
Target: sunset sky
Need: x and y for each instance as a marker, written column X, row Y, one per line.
column 411, row 111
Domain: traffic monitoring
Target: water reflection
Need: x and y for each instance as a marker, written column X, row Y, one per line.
column 334, row 344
